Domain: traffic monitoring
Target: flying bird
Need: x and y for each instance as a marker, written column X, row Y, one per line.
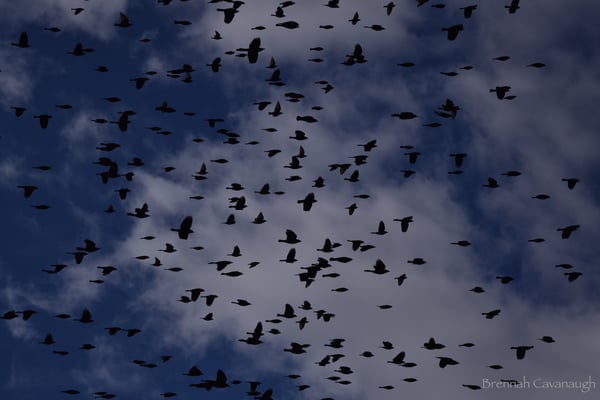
column 86, row 317
column 123, row 21
column 566, row 232
column 379, row 268
column 23, row 41
column 513, row 6
column 521, row 350
column 380, row 229
column 185, row 228
column 453, row 31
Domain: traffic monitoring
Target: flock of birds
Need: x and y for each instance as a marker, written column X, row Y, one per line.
column 112, row 173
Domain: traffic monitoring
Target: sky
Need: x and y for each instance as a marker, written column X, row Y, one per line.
column 355, row 129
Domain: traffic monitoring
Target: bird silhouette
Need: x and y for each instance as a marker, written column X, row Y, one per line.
column 513, row 6
column 253, row 50
column 566, row 232
column 404, row 222
column 379, row 268
column 288, row 312
column 521, row 350
column 445, row 361
column 185, row 228
column 398, row 359
column 491, row 183
column 308, row 201
column 501, row 91
column 44, row 119
column 291, row 256
column 290, row 237
column 23, row 41
column 431, row 344
column 547, row 339
column 453, row 31
column 123, row 21
column 380, row 229
column 571, row 276
column 468, row 10
column 86, row 317
column 491, row 314
column 297, row 348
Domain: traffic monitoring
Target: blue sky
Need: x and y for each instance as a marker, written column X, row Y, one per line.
column 546, row 132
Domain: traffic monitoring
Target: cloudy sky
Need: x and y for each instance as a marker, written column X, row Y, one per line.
column 364, row 108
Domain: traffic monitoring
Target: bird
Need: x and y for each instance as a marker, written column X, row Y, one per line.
column 491, row 314
column 214, row 66
column 401, row 279
column 389, row 7
column 468, row 10
column 417, row 261
column 404, row 222
column 288, row 312
column 355, row 19
column 445, row 361
column 380, row 229
column 566, row 231
column 107, row 269
column 353, row 177
column 571, row 276
column 228, row 14
column 501, row 91
column 86, row 317
column 90, row 246
column 458, row 158
column 462, row 243
column 513, row 6
column 375, row 27
column 27, row 190
column 290, row 237
column 79, row 50
column 288, row 24
column 547, row 339
column 253, row 50
column 379, row 268
column 141, row 212
column 291, row 256
column 276, row 110
column 521, row 350
column 296, row 348
column 139, row 82
column 185, row 228
column 308, row 201
column 398, row 359
column 404, row 115
column 491, row 183
column 571, row 182
column 48, row 340
column 431, row 344
column 23, row 41
column 541, row 196
column 505, row 279
column 453, row 31
column 44, row 119
column 123, row 21
column 18, row 110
